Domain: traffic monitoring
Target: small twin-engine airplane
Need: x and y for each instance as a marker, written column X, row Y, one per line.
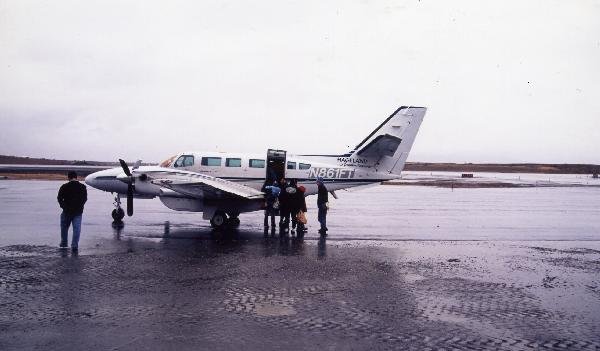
column 223, row 185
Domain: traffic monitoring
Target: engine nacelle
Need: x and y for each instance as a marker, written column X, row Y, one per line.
column 182, row 204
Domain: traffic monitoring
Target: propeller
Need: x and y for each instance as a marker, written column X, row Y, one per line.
column 130, row 187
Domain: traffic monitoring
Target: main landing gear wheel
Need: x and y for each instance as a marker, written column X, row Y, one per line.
column 234, row 222
column 219, row 220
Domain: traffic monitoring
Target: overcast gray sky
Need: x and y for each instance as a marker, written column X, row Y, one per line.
column 504, row 81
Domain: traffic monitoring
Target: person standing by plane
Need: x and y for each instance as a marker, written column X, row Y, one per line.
column 284, row 205
column 294, row 207
column 71, row 198
column 300, row 210
column 272, row 198
column 322, row 204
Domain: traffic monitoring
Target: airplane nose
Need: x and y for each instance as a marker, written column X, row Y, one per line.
column 107, row 180
column 90, row 179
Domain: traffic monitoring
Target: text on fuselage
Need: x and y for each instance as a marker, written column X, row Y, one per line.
column 353, row 162
column 335, row 173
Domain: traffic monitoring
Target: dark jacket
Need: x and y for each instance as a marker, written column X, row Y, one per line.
column 298, row 202
column 322, row 196
column 71, row 197
column 285, row 199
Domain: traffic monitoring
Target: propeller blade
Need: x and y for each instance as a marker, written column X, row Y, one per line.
column 125, row 167
column 130, row 200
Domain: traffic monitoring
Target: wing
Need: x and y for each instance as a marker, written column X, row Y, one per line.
column 202, row 186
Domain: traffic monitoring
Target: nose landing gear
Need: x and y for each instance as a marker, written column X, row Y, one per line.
column 117, row 214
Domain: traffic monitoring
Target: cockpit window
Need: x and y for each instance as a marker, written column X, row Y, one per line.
column 179, row 162
column 184, row 161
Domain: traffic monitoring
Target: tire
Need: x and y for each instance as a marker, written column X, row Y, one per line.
column 118, row 214
column 219, row 220
column 234, row 222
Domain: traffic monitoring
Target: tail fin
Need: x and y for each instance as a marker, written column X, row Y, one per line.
column 387, row 147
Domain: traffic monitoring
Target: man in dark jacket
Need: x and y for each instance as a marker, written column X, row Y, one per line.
column 284, row 205
column 71, row 198
column 293, row 204
column 322, row 204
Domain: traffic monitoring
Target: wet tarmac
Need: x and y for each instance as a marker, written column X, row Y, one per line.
column 488, row 179
column 403, row 268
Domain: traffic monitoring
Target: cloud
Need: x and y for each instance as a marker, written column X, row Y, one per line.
column 504, row 81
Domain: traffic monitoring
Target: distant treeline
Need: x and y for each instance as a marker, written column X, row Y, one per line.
column 17, row 160
column 410, row 166
column 504, row 167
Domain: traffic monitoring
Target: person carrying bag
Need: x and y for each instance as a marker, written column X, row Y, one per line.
column 301, row 210
column 272, row 203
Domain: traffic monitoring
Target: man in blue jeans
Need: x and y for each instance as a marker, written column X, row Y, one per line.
column 322, row 204
column 71, row 198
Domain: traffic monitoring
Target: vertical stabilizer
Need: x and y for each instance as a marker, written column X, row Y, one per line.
column 387, row 147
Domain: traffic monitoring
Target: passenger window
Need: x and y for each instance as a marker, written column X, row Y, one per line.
column 304, row 166
column 184, row 161
column 233, row 162
column 211, row 161
column 254, row 163
column 291, row 165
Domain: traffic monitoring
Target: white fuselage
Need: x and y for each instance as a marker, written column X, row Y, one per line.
column 251, row 171
column 246, row 169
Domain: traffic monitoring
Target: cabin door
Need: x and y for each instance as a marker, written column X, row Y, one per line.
column 275, row 165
